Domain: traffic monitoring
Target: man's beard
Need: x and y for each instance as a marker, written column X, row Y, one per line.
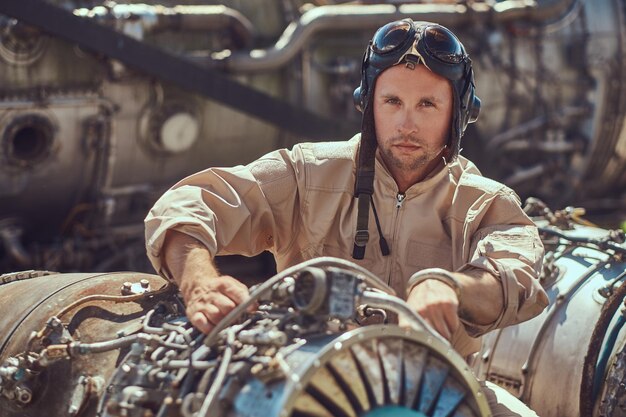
column 408, row 163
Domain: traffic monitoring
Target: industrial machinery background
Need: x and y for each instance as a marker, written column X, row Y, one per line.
column 104, row 105
column 79, row 347
column 569, row 360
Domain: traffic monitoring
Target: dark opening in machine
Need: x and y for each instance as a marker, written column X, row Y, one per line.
column 28, row 140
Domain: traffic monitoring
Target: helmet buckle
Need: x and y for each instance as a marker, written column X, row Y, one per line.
column 412, row 61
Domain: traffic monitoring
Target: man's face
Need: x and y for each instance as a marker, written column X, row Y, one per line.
column 412, row 112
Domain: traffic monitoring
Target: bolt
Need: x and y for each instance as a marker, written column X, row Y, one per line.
column 126, row 288
column 24, row 395
column 145, row 283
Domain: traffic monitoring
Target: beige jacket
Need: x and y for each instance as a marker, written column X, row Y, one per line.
column 299, row 204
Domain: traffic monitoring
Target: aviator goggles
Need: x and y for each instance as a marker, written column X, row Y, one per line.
column 418, row 42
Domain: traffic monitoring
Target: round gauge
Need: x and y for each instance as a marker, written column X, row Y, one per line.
column 179, row 132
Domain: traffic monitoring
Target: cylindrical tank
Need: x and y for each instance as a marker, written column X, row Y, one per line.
column 92, row 308
column 546, row 361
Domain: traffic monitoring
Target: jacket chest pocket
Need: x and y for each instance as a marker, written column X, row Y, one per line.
column 422, row 255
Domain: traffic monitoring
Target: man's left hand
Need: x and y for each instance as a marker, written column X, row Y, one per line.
column 438, row 304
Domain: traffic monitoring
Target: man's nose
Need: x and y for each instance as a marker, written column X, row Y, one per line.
column 408, row 123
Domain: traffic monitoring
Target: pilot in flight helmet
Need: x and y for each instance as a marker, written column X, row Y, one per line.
column 410, row 43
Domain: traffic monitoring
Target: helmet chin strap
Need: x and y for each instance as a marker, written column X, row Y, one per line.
column 364, row 187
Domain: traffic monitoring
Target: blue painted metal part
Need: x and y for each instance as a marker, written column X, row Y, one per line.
column 394, row 411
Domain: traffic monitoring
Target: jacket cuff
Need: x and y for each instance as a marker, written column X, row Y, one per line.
column 156, row 231
column 510, row 296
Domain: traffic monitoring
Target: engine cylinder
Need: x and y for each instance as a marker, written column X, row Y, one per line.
column 525, row 358
column 92, row 308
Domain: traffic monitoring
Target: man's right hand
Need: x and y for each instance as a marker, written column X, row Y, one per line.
column 209, row 300
column 208, row 295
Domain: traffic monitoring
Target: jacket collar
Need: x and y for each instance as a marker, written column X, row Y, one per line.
column 386, row 181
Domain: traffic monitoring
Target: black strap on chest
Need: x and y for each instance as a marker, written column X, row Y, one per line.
column 364, row 187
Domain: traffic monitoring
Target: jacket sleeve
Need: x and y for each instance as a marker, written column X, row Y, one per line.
column 505, row 242
column 243, row 210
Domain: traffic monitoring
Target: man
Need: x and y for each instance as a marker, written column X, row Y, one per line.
column 473, row 255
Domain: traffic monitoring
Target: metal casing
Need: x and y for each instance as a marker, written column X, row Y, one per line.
column 67, row 388
column 526, row 358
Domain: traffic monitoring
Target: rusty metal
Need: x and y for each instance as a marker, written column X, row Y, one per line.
column 587, row 400
column 62, row 386
column 80, row 349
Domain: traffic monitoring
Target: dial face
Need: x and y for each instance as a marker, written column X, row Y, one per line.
column 179, row 132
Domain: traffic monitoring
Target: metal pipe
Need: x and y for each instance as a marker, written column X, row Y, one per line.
column 360, row 17
column 209, row 400
column 397, row 305
column 186, row 364
column 78, row 348
column 157, row 18
column 213, row 18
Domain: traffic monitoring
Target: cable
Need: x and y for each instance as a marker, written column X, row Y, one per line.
column 602, row 244
column 114, row 298
column 384, row 247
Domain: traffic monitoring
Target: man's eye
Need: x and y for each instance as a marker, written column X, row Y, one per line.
column 393, row 101
column 428, row 103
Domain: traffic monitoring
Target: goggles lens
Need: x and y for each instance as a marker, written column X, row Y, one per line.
column 443, row 45
column 391, row 36
column 438, row 42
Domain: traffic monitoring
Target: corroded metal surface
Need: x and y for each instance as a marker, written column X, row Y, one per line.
column 119, row 345
column 70, row 388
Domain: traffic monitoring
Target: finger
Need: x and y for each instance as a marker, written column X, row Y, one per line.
column 235, row 290
column 439, row 324
column 200, row 322
column 452, row 320
column 213, row 313
column 223, row 303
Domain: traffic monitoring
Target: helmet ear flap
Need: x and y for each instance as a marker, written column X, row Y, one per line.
column 474, row 109
column 358, row 97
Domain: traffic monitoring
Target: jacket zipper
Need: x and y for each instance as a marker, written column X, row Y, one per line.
column 399, row 200
column 394, row 247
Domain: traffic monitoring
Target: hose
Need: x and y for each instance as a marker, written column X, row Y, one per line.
column 114, row 298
